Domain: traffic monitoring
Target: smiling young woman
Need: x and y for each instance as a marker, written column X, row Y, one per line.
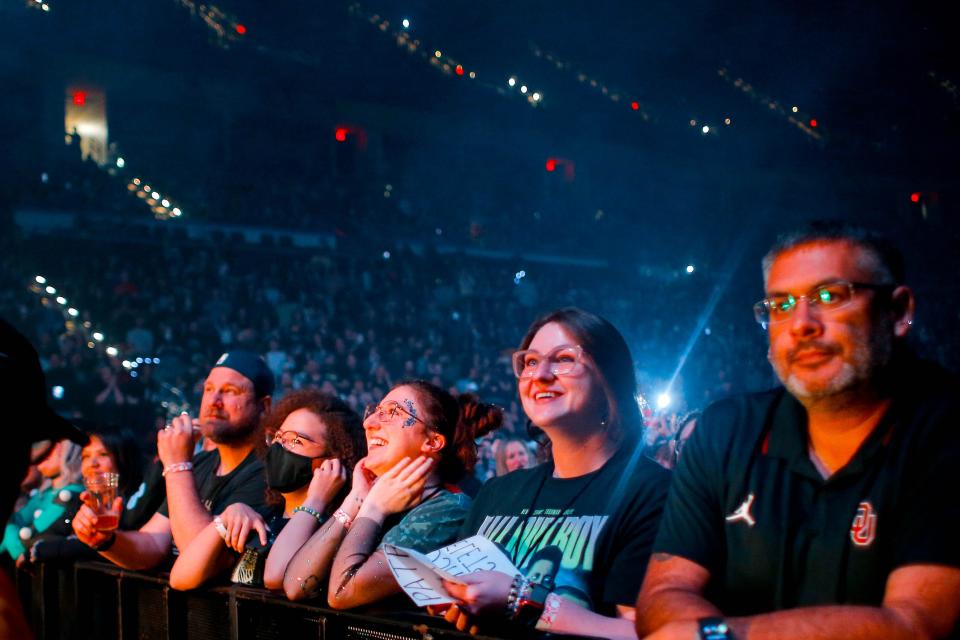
column 420, row 442
column 593, row 510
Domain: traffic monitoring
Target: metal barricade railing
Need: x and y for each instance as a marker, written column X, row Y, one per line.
column 98, row 600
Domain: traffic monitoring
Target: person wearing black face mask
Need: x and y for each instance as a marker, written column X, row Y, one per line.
column 287, row 471
column 314, row 441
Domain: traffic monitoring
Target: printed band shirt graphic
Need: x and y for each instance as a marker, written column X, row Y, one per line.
column 556, row 550
column 588, row 538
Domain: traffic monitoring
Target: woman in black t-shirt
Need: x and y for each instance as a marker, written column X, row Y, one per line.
column 579, row 529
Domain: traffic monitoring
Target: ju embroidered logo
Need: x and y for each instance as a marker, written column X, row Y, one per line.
column 864, row 527
column 742, row 514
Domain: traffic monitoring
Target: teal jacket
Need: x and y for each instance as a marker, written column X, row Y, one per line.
column 48, row 511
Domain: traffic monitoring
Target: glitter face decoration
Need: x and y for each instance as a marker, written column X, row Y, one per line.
column 411, row 412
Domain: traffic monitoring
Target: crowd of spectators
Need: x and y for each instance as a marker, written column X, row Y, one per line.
column 349, row 324
column 350, row 320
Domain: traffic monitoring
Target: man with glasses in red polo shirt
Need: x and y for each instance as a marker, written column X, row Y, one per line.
column 824, row 509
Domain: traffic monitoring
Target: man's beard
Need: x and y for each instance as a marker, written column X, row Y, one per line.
column 222, row 432
column 869, row 358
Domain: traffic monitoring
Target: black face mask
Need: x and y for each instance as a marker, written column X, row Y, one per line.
column 286, row 471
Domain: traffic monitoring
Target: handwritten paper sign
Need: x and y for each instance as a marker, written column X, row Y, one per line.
column 420, row 575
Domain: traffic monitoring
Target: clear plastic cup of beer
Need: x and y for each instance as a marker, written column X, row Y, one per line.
column 102, row 486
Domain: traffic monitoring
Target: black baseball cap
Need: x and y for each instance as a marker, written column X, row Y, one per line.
column 250, row 366
column 24, row 387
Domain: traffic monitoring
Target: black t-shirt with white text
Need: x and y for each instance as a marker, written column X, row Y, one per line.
column 588, row 538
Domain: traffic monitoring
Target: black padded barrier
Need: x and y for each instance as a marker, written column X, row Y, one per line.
column 99, row 600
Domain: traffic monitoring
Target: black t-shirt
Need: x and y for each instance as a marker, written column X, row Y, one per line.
column 748, row 504
column 247, row 484
column 587, row 537
column 249, row 567
column 146, row 499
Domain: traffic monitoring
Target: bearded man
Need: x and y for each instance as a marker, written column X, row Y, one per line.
column 822, row 509
column 236, row 396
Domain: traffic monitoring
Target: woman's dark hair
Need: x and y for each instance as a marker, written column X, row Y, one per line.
column 124, row 445
column 460, row 421
column 345, row 439
column 550, row 553
column 609, row 351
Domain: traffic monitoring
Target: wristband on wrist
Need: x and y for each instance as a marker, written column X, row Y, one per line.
column 551, row 607
column 106, row 544
column 313, row 512
column 341, row 516
column 220, row 527
column 714, row 629
column 530, row 603
column 176, row 467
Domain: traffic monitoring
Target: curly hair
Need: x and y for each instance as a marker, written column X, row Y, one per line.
column 344, row 439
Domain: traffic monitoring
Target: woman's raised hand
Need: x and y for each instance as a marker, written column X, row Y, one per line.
column 399, row 489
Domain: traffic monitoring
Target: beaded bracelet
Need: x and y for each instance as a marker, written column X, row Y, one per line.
column 513, row 598
column 316, row 514
column 342, row 517
column 176, row 467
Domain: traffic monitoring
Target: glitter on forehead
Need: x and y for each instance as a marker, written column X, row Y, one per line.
column 412, row 410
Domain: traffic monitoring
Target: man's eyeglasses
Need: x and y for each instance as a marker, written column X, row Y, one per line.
column 392, row 411
column 291, row 440
column 824, row 297
column 562, row 361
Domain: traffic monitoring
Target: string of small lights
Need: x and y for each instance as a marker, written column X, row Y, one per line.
column 173, row 400
column 227, row 30
column 51, row 297
column 161, row 206
column 439, row 60
column 616, row 96
column 803, row 122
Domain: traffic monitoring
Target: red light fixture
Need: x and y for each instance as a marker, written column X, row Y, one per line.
column 80, row 98
column 551, row 164
column 241, row 29
column 813, row 123
column 340, row 134
column 459, row 69
column 635, row 105
column 915, row 197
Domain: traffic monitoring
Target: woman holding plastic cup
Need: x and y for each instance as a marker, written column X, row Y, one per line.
column 111, row 468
